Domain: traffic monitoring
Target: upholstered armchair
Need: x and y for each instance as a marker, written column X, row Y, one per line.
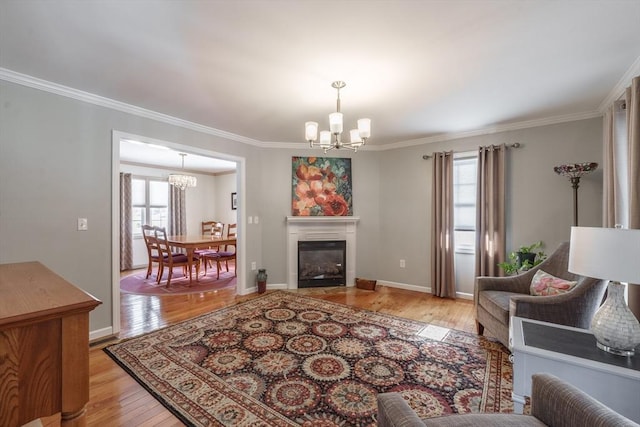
column 554, row 403
column 498, row 298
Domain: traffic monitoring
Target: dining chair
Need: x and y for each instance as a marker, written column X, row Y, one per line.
column 153, row 252
column 171, row 259
column 211, row 254
column 217, row 229
column 228, row 253
column 222, row 254
column 208, row 228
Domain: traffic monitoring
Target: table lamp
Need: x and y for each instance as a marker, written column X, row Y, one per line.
column 610, row 254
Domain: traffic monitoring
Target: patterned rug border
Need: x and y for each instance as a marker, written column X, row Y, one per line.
column 136, row 284
column 492, row 343
column 490, row 389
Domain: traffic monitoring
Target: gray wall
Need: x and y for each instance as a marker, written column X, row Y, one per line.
column 275, row 205
column 55, row 166
column 539, row 202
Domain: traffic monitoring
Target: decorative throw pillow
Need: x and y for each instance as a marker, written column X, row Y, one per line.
column 544, row 284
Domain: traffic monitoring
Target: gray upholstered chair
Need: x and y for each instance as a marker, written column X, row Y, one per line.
column 553, row 403
column 498, row 298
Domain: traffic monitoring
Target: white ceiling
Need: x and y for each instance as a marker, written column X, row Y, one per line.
column 153, row 154
column 260, row 69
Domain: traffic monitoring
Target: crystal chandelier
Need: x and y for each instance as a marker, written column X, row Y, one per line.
column 182, row 181
column 330, row 139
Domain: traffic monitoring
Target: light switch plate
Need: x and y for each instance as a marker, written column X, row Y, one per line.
column 83, row 224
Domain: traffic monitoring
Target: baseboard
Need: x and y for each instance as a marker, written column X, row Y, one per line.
column 464, row 295
column 405, row 286
column 461, row 295
column 100, row 333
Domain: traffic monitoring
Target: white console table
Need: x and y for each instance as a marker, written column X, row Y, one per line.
column 571, row 354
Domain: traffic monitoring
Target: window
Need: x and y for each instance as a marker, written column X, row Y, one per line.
column 150, row 203
column 464, row 202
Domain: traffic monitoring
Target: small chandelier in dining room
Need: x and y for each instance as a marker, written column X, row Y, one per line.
column 332, row 139
column 180, row 180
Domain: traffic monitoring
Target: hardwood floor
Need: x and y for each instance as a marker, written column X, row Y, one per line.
column 116, row 399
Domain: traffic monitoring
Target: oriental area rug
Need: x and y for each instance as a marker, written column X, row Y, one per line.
column 284, row 359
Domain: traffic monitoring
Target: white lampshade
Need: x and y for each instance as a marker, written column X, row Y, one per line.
column 311, row 131
column 364, row 127
column 355, row 136
column 605, row 253
column 613, row 254
column 325, row 138
column 335, row 122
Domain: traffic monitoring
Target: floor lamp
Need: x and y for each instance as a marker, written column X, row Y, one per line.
column 574, row 172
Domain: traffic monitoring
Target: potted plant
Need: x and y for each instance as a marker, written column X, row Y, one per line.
column 523, row 259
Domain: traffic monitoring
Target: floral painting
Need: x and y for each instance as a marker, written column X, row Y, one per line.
column 321, row 187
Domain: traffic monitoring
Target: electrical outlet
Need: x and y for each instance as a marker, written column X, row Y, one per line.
column 402, row 263
column 256, row 220
column 83, row 224
column 250, row 220
column 253, row 265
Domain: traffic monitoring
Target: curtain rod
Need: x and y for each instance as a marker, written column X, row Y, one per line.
column 514, row 145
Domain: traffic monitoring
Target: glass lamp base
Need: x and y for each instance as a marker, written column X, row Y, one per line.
column 614, row 326
column 616, row 351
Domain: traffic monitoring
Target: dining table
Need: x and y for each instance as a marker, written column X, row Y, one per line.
column 198, row 241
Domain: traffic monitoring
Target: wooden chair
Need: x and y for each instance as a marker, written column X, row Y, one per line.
column 153, row 252
column 211, row 254
column 217, row 229
column 209, row 228
column 171, row 259
column 222, row 254
column 228, row 253
column 232, row 231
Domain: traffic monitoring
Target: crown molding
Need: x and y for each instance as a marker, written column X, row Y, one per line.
column 490, row 130
column 44, row 85
column 618, row 91
column 444, row 137
column 47, row 86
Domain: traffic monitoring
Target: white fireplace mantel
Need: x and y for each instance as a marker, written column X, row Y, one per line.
column 307, row 228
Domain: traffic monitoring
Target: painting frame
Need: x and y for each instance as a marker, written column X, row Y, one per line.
column 321, row 186
column 234, row 201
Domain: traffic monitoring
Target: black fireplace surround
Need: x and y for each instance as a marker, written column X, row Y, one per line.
column 322, row 263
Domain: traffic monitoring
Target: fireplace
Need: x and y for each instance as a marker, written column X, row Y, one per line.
column 321, row 229
column 322, row 263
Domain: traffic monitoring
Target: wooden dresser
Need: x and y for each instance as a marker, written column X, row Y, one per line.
column 44, row 346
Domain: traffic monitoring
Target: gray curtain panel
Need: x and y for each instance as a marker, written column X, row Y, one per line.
column 622, row 190
column 632, row 97
column 177, row 211
column 443, row 279
column 126, row 233
column 490, row 215
column 613, row 189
